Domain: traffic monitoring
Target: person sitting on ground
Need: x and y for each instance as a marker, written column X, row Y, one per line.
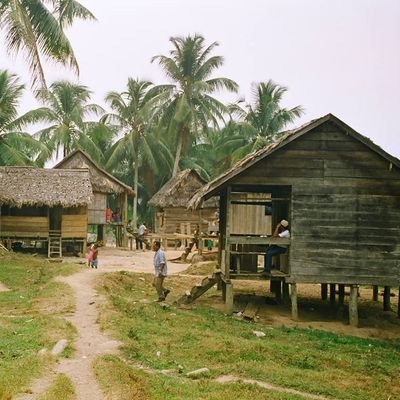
column 282, row 231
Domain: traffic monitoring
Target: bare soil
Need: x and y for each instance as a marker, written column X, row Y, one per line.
column 313, row 313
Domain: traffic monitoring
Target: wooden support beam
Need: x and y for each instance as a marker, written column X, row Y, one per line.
column 375, row 292
column 279, row 292
column 398, row 305
column 293, row 297
column 285, row 293
column 223, row 287
column 386, row 299
column 341, row 295
column 229, row 298
column 353, row 308
column 324, row 291
column 332, row 293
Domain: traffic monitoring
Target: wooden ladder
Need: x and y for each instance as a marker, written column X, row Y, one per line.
column 54, row 244
column 198, row 290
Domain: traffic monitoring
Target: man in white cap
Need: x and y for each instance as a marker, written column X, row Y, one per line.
column 281, row 230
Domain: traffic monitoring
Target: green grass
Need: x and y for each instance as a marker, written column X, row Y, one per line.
column 61, row 389
column 306, row 360
column 31, row 318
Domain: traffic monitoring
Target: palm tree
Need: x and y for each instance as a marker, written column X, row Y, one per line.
column 66, row 108
column 16, row 147
column 190, row 108
column 264, row 120
column 36, row 31
column 132, row 115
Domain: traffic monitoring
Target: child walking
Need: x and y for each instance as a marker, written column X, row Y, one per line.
column 90, row 255
column 94, row 257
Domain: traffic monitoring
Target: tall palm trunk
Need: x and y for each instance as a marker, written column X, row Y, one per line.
column 177, row 156
column 183, row 138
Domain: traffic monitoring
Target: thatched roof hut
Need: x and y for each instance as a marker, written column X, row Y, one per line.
column 27, row 186
column 171, row 203
column 108, row 192
column 102, row 181
column 179, row 190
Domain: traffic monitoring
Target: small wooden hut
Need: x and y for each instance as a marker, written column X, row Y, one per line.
column 341, row 195
column 104, row 186
column 171, row 201
column 45, row 206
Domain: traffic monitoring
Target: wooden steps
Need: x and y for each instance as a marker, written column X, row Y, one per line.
column 199, row 289
column 54, row 244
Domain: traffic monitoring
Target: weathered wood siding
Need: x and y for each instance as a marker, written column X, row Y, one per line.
column 24, row 226
column 97, row 209
column 74, row 226
column 345, row 208
column 176, row 216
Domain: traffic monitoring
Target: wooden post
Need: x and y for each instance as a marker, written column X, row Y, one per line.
column 332, row 293
column 285, row 292
column 293, row 296
column 324, row 291
column 386, row 299
column 398, row 305
column 375, row 293
column 341, row 295
column 229, row 298
column 125, row 219
column 278, row 291
column 228, row 232
column 223, row 287
column 353, row 310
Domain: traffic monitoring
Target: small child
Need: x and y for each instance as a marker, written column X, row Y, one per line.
column 90, row 256
column 94, row 256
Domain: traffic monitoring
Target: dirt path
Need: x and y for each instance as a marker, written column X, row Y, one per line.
column 91, row 342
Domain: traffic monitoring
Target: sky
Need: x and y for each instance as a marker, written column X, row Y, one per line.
column 334, row 56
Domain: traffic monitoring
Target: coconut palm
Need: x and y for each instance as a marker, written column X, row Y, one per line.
column 132, row 116
column 16, row 147
column 190, row 107
column 66, row 109
column 37, row 31
column 262, row 121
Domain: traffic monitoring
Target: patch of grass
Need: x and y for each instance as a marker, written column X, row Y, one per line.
column 61, row 389
column 31, row 318
column 307, row 360
column 120, row 381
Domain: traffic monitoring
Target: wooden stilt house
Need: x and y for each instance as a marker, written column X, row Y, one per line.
column 44, row 206
column 341, row 195
column 171, row 201
column 106, row 189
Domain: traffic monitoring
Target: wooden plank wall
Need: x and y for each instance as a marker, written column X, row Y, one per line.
column 345, row 211
column 97, row 209
column 21, row 226
column 250, row 220
column 74, row 226
column 174, row 217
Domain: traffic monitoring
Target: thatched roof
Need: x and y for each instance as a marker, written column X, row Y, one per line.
column 26, row 186
column 214, row 187
column 102, row 181
column 178, row 190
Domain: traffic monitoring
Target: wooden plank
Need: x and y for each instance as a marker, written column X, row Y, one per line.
column 27, row 225
column 293, row 297
column 251, row 310
column 353, row 307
